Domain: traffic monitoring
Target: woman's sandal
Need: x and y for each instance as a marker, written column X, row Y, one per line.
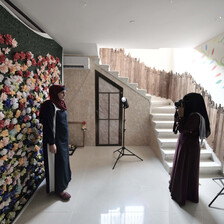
column 65, row 196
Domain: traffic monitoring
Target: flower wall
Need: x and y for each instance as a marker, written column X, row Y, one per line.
column 29, row 64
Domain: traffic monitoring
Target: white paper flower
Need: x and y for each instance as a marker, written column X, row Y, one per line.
column 3, row 152
column 1, row 77
column 28, row 124
column 15, row 164
column 23, row 112
column 15, row 106
column 19, row 136
column 13, row 132
column 20, row 144
column 3, row 96
column 19, row 152
column 7, row 122
column 24, row 94
column 28, row 110
column 14, row 121
column 1, row 116
column 23, row 154
column 24, row 131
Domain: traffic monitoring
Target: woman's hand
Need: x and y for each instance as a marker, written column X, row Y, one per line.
column 53, row 148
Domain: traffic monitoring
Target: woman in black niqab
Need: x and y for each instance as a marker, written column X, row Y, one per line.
column 192, row 124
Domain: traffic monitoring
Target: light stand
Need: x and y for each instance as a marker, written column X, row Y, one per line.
column 123, row 148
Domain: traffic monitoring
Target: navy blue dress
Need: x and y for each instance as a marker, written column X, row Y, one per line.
column 55, row 131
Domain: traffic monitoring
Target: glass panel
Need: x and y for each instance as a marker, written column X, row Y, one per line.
column 103, row 132
column 103, row 106
column 104, row 86
column 114, row 106
column 114, row 131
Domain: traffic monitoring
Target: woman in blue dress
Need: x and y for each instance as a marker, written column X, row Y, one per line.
column 53, row 116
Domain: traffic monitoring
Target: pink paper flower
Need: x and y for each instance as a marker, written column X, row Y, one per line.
column 14, row 43
column 3, row 68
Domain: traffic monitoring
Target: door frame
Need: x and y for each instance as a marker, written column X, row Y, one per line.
column 97, row 76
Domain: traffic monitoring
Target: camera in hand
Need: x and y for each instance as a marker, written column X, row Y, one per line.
column 179, row 103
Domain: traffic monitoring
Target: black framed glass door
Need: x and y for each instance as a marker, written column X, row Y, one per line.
column 108, row 111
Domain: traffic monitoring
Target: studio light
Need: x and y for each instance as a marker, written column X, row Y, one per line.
column 123, row 149
column 125, row 102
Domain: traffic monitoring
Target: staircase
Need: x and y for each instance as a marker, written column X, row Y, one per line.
column 162, row 112
column 125, row 80
column 163, row 117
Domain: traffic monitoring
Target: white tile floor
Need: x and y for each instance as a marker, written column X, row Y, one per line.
column 135, row 192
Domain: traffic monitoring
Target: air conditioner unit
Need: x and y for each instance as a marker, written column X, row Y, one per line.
column 76, row 62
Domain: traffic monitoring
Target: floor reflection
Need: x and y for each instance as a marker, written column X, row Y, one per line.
column 129, row 215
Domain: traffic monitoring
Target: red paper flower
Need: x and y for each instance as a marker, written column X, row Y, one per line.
column 27, row 74
column 10, row 126
column 8, row 39
column 84, row 123
column 57, row 60
column 39, row 63
column 1, row 39
column 28, row 55
column 22, row 55
column 43, row 59
column 36, row 76
column 6, row 90
column 22, row 106
column 34, row 63
column 2, row 58
column 31, row 96
column 26, row 118
column 2, row 124
column 16, row 56
column 20, row 73
column 36, row 88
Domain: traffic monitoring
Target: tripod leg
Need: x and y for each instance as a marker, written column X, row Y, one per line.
column 118, row 150
column 120, row 155
column 215, row 197
column 134, row 154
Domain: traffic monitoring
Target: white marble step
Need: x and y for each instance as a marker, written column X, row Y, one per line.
column 163, row 116
column 105, row 67
column 163, row 124
column 114, row 73
column 206, row 167
column 141, row 91
column 165, row 133
column 159, row 103
column 164, row 109
column 168, row 142
column 168, row 154
column 133, row 85
column 123, row 79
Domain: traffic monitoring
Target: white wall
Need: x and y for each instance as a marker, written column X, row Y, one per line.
column 160, row 59
column 206, row 71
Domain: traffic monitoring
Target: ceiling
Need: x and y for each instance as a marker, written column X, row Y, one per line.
column 81, row 26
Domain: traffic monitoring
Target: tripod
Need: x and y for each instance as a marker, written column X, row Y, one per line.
column 123, row 148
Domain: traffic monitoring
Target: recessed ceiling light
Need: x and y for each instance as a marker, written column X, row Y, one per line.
column 218, row 18
column 132, row 21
